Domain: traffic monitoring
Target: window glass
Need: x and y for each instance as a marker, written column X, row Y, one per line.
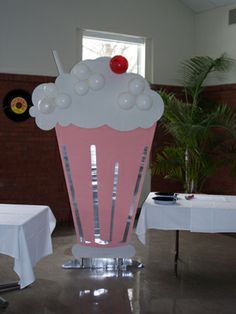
column 99, row 44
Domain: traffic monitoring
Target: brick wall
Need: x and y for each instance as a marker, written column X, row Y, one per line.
column 30, row 165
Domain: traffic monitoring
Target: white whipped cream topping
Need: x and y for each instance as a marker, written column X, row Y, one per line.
column 92, row 96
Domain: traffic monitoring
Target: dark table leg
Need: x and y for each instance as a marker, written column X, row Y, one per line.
column 3, row 303
column 176, row 251
column 7, row 287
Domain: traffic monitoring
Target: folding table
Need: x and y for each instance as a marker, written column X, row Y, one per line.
column 25, row 235
column 202, row 213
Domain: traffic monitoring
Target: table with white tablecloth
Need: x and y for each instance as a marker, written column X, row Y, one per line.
column 202, row 213
column 25, row 235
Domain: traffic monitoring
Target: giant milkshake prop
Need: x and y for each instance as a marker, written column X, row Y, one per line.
column 105, row 120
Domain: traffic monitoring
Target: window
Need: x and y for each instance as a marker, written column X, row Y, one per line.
column 99, row 44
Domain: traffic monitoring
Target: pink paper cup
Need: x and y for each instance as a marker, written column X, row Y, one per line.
column 104, row 171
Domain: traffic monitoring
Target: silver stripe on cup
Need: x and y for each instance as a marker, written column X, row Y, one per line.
column 97, row 235
column 131, row 210
column 114, row 191
column 72, row 192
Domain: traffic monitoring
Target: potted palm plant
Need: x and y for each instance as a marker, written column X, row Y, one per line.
column 201, row 130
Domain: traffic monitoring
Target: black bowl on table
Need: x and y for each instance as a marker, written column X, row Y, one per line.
column 166, row 194
column 165, row 198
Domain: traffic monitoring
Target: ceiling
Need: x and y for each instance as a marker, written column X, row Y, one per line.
column 204, row 5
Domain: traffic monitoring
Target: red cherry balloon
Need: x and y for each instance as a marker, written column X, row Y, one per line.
column 119, row 64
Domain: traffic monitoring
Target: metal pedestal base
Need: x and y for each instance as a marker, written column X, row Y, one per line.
column 103, row 258
column 122, row 264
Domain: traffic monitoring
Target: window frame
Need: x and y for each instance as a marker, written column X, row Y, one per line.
column 147, row 42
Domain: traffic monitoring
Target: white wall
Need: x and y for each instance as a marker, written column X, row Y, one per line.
column 213, row 37
column 29, row 29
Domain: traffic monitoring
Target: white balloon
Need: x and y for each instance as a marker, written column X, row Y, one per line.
column 126, row 101
column 144, row 102
column 137, row 86
column 32, row 111
column 46, row 106
column 96, row 81
column 63, row 101
column 81, row 88
column 50, row 89
column 81, row 70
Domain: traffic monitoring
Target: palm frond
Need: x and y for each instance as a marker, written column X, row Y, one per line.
column 201, row 131
column 195, row 70
column 225, row 118
column 169, row 163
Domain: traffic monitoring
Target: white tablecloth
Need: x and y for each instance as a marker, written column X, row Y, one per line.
column 25, row 234
column 203, row 213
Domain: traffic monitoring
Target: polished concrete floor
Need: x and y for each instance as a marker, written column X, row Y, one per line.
column 206, row 282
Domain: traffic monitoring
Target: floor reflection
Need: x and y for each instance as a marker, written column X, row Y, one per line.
column 206, row 282
column 101, row 274
column 101, row 300
column 105, row 296
column 96, row 293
